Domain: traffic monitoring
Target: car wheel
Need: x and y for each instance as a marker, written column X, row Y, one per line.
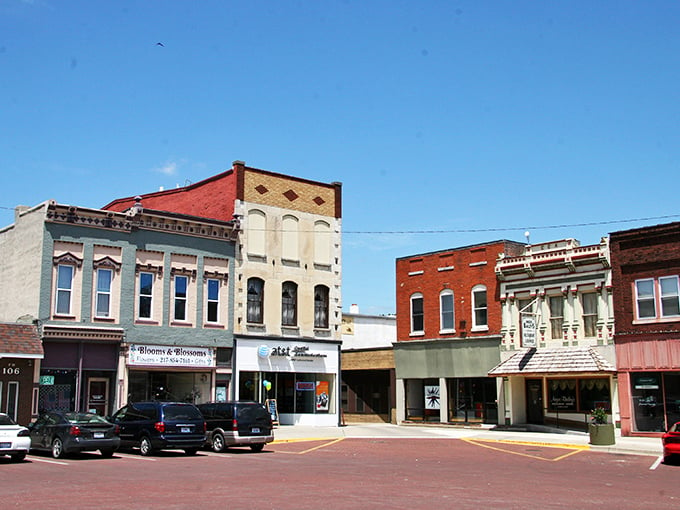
column 190, row 451
column 57, row 448
column 218, row 443
column 145, row 447
column 18, row 457
column 107, row 452
column 257, row 447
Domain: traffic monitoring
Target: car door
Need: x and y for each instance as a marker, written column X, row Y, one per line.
column 38, row 432
column 122, row 418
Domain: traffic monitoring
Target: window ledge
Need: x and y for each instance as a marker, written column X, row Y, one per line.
column 213, row 325
column 147, row 322
column 290, row 262
column 290, row 330
column 655, row 321
column 322, row 267
column 182, row 324
column 104, row 319
column 447, row 331
column 58, row 317
column 480, row 328
column 417, row 333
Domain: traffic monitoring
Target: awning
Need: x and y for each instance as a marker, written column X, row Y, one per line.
column 553, row 361
column 20, row 341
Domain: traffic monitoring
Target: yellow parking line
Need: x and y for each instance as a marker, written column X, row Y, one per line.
column 575, row 447
column 329, row 443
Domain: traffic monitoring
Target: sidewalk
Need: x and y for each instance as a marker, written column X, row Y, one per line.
column 623, row 445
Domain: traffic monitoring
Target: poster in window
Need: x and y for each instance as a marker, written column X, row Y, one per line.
column 432, row 397
column 322, row 397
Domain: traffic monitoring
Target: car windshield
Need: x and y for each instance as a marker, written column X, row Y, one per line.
column 6, row 420
column 180, row 412
column 84, row 418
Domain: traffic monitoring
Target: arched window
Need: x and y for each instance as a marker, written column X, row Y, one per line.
column 321, row 306
column 255, row 311
column 417, row 316
column 289, row 304
column 480, row 318
column 257, row 224
column 322, row 243
column 289, row 238
column 446, row 313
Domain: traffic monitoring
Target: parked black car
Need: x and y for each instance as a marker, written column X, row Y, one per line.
column 238, row 423
column 154, row 426
column 70, row 432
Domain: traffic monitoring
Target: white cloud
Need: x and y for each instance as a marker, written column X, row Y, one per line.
column 170, row 168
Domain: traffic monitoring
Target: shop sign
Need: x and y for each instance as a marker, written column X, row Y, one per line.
column 528, row 331
column 563, row 402
column 646, row 382
column 304, row 386
column 298, row 352
column 170, row 356
column 47, row 380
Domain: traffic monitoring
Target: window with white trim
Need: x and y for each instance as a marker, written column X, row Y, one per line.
column 589, row 303
column 657, row 298
column 289, row 238
column 181, row 287
column 213, row 300
column 417, row 314
column 62, row 305
column 145, row 295
column 480, row 318
column 446, row 312
column 556, row 306
column 103, row 293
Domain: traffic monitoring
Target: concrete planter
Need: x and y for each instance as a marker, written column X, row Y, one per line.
column 601, row 434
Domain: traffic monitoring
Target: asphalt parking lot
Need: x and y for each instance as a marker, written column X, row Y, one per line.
column 346, row 472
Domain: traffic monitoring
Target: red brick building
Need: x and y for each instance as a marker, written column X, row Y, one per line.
column 645, row 278
column 20, row 352
column 448, row 333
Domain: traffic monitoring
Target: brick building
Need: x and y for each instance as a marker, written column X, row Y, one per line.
column 287, row 302
column 645, row 278
column 449, row 333
column 20, row 355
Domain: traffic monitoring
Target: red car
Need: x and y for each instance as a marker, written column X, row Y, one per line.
column 671, row 442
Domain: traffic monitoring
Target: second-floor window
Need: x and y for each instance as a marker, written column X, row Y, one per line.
column 103, row 295
column 255, row 306
column 64, row 289
column 446, row 317
column 213, row 300
column 145, row 295
column 181, row 284
column 589, row 301
column 320, row 306
column 657, row 298
column 556, row 304
column 480, row 319
column 417, row 315
column 289, row 304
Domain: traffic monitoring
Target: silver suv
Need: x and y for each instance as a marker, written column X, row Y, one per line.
column 237, row 423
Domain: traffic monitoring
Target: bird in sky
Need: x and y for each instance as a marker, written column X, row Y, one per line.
column 160, row 44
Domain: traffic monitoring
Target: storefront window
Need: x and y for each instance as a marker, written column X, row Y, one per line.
column 472, row 400
column 294, row 393
column 648, row 402
column 57, row 390
column 578, row 395
column 191, row 387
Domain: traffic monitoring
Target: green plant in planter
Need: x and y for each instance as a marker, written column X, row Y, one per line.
column 598, row 416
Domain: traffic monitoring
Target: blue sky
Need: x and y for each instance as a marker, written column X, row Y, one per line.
column 476, row 119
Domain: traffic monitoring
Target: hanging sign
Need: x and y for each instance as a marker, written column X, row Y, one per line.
column 528, row 331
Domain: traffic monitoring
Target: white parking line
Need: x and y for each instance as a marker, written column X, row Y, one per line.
column 656, row 463
column 40, row 459
column 132, row 456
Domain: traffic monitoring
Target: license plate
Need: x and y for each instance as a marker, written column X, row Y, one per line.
column 98, row 435
column 5, row 445
column 255, row 430
column 185, row 430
